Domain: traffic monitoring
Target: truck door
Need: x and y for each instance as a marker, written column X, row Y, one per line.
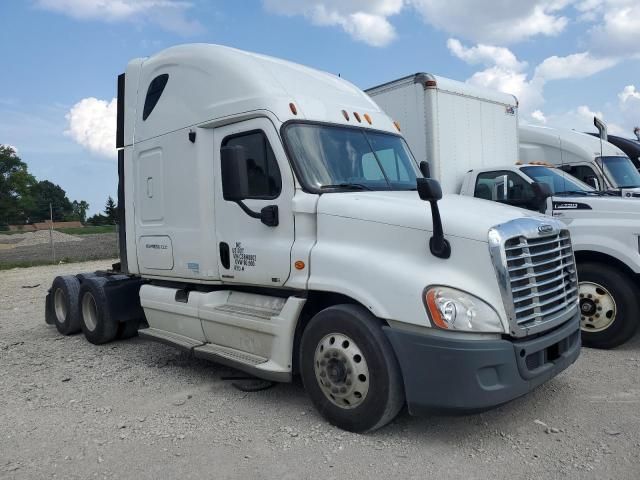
column 250, row 251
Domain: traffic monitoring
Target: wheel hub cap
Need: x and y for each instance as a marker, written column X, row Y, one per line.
column 341, row 371
column 597, row 307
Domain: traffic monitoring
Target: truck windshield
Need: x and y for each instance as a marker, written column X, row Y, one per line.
column 560, row 182
column 621, row 171
column 343, row 158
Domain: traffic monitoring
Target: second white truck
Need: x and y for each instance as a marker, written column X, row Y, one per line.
column 469, row 136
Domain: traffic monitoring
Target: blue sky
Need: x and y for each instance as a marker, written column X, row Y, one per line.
column 564, row 59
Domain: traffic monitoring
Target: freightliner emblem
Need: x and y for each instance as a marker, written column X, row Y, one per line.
column 546, row 228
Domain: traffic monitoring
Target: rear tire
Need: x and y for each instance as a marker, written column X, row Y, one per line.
column 609, row 305
column 350, row 370
column 63, row 305
column 96, row 321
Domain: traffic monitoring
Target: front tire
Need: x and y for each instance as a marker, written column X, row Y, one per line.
column 350, row 370
column 609, row 305
column 97, row 325
column 63, row 306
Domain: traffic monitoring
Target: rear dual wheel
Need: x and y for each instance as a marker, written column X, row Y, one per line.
column 96, row 321
column 63, row 304
column 350, row 370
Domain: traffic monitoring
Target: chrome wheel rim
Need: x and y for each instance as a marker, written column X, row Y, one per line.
column 89, row 312
column 597, row 307
column 60, row 305
column 341, row 370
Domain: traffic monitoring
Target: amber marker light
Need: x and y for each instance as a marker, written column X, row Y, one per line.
column 345, row 115
column 397, row 125
column 293, row 108
column 436, row 316
column 367, row 118
column 299, row 265
column 357, row 115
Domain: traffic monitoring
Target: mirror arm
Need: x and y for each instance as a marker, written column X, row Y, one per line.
column 268, row 215
column 438, row 245
column 247, row 210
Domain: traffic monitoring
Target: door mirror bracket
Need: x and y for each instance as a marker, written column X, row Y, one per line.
column 268, row 215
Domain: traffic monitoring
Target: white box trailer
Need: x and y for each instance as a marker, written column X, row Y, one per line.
column 270, row 221
column 453, row 125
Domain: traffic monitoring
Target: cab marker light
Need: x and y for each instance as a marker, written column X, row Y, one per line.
column 357, row 115
column 397, row 125
column 345, row 115
column 293, row 108
column 299, row 265
column 367, row 118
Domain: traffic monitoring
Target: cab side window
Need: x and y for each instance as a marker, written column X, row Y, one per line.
column 505, row 187
column 265, row 181
column 581, row 172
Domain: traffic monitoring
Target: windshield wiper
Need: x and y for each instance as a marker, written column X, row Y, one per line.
column 347, row 186
column 578, row 192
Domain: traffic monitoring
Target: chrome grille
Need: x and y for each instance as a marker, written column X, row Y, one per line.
column 542, row 277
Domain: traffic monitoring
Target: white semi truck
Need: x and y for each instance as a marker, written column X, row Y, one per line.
column 590, row 159
column 605, row 229
column 274, row 220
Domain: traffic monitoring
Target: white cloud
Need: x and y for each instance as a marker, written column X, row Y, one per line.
column 577, row 65
column 365, row 20
column 486, row 55
column 15, row 149
column 629, row 93
column 616, row 26
column 168, row 14
column 488, row 21
column 538, row 116
column 92, row 124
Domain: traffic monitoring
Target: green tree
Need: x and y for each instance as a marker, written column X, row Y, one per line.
column 111, row 211
column 79, row 210
column 15, row 187
column 46, row 193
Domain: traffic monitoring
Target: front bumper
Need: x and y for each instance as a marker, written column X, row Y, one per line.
column 465, row 375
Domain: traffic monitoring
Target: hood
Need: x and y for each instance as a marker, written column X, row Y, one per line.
column 610, row 207
column 464, row 217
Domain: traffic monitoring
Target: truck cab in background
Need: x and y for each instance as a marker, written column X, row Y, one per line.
column 630, row 147
column 275, row 221
column 470, row 138
column 597, row 163
column 605, row 232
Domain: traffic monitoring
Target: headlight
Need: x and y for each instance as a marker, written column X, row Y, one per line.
column 452, row 309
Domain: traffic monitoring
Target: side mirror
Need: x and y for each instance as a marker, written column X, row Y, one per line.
column 592, row 181
column 541, row 191
column 425, row 170
column 235, row 184
column 235, row 178
column 430, row 191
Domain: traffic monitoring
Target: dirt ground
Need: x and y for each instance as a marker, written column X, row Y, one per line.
column 136, row 409
column 83, row 248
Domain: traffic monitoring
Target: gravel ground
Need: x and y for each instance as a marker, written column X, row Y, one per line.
column 136, row 409
column 68, row 248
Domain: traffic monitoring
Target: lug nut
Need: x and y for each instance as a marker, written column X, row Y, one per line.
column 343, row 390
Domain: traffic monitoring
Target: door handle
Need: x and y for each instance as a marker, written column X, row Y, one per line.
column 225, row 258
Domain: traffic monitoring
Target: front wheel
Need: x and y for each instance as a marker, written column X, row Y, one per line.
column 350, row 370
column 609, row 306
